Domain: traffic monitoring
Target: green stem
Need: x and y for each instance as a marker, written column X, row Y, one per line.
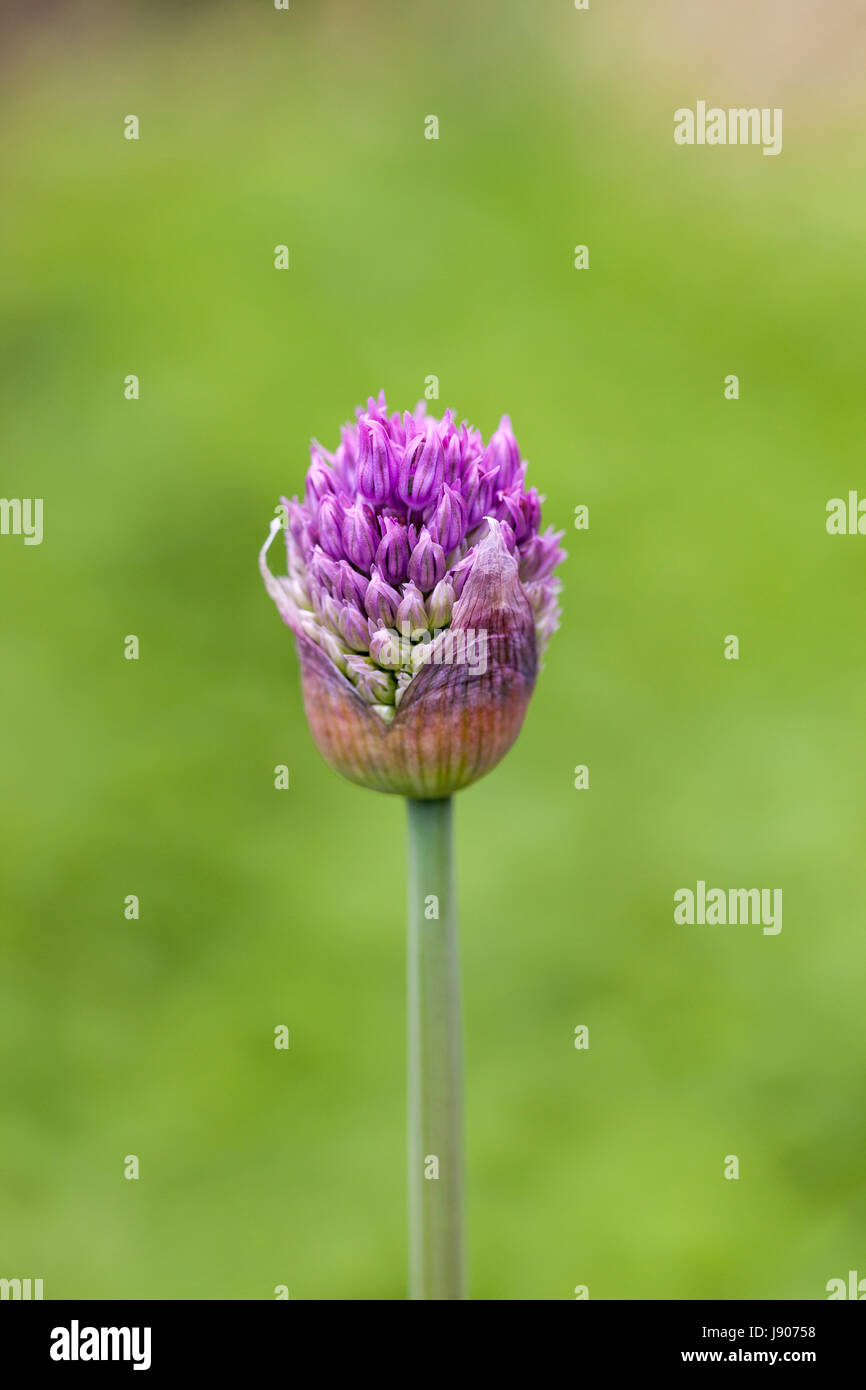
column 435, row 1089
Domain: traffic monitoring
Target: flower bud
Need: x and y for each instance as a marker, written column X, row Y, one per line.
column 412, row 528
column 359, row 535
column 386, row 648
column 376, row 685
column 503, row 454
column 440, row 604
column 329, row 519
column 421, row 470
column 412, row 610
column 421, row 652
column 427, row 562
column 320, row 480
column 448, row 523
column 381, row 601
column 453, row 458
column 352, row 627
column 350, row 585
column 323, row 571
column 392, row 554
column 377, row 466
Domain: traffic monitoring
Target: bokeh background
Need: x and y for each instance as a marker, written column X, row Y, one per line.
column 412, row 257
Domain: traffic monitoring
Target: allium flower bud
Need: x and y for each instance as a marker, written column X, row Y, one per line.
column 359, row 535
column 503, row 454
column 478, row 488
column 324, row 572
column 320, row 480
column 331, row 613
column 426, row 563
column 352, row 627
column 508, row 536
column 385, row 649
column 411, row 612
column 298, row 520
column 453, row 458
column 440, row 604
column 421, row 470
column 377, row 466
column 350, row 585
column 512, row 510
column 392, row 555
column 376, row 685
column 330, row 526
column 448, row 524
column 377, row 407
column 462, row 571
column 422, row 718
column 381, row 601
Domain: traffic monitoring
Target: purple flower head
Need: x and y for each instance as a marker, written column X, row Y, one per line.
column 421, row 593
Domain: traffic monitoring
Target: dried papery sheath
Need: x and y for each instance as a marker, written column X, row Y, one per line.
column 421, row 593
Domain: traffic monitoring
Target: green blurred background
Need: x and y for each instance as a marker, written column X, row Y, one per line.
column 259, row 907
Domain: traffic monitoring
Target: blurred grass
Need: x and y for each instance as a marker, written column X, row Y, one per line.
column 411, row 257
